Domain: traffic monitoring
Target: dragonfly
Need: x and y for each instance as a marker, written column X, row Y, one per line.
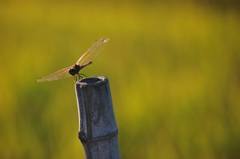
column 83, row 61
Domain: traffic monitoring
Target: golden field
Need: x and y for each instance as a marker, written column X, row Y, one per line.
column 174, row 72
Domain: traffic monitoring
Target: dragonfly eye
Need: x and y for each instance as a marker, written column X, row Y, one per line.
column 72, row 71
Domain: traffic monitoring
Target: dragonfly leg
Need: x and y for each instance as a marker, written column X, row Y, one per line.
column 81, row 74
column 76, row 77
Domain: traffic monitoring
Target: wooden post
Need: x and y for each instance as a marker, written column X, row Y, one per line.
column 98, row 130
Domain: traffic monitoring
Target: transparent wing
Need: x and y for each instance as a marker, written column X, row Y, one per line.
column 93, row 51
column 63, row 73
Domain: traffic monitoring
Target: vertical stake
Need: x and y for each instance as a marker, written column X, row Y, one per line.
column 98, row 130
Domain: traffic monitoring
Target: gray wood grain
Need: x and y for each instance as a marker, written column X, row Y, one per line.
column 97, row 125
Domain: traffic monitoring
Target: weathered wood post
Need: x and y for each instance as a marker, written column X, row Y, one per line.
column 98, row 130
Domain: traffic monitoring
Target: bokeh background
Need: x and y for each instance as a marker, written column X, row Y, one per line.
column 173, row 67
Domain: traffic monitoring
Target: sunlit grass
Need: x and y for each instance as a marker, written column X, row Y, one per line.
column 173, row 71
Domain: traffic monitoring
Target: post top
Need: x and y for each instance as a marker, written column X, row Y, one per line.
column 97, row 80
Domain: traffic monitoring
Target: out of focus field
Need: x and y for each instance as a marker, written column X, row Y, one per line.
column 174, row 71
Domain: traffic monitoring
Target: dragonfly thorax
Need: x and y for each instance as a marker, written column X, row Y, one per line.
column 74, row 70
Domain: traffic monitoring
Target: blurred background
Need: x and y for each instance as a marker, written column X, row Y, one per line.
column 173, row 67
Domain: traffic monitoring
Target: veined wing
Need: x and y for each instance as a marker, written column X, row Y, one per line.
column 63, row 73
column 93, row 51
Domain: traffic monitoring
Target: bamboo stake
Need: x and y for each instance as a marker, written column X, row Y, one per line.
column 97, row 126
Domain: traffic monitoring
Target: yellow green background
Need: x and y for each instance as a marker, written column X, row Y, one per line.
column 173, row 67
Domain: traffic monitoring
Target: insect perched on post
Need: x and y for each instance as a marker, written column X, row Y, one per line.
column 83, row 61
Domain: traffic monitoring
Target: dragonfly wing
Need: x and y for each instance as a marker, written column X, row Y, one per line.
column 93, row 51
column 63, row 73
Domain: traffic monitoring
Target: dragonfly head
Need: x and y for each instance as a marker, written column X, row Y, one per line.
column 74, row 70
